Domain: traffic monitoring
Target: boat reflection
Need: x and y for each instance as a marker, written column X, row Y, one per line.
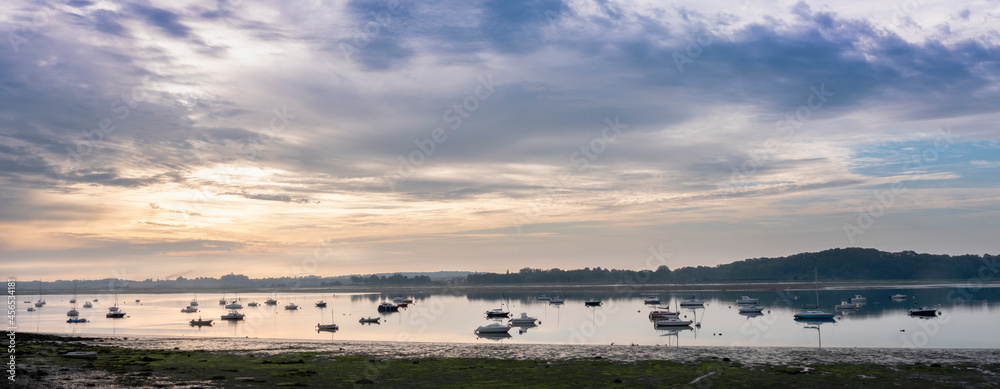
column 814, row 324
column 672, row 334
column 493, row 336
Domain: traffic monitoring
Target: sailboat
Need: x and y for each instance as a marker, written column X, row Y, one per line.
column 498, row 312
column 41, row 302
column 113, row 311
column 328, row 327
column 815, row 314
column 72, row 311
column 321, row 303
column 194, row 303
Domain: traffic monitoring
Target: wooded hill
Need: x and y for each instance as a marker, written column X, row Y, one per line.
column 847, row 264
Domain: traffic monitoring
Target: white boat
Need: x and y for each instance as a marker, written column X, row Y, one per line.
column 747, row 300
column 557, row 300
column 672, row 322
column 233, row 316
column 328, row 327
column 845, row 305
column 72, row 311
column 494, row 328
column 524, row 320
column 814, row 315
column 234, row 305
column 291, row 306
column 898, row 296
column 693, row 302
column 663, row 314
column 194, row 303
column 751, row 308
column 88, row 305
column 271, row 301
column 189, row 309
column 858, row 299
column 543, row 298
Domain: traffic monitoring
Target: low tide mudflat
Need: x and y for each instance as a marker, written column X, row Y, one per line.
column 40, row 365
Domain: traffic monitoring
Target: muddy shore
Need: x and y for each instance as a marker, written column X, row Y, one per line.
column 124, row 362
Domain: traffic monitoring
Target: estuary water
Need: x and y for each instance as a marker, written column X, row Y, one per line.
column 967, row 318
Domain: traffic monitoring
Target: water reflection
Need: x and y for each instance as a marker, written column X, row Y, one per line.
column 622, row 319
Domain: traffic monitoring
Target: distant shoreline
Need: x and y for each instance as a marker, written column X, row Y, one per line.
column 545, row 288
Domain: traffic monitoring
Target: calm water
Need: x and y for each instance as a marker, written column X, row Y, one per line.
column 622, row 320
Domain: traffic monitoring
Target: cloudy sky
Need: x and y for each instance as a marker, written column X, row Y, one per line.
column 157, row 139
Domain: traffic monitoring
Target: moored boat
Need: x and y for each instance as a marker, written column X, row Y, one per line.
column 858, row 299
column 672, row 322
column 651, row 300
column 592, row 303
column 291, row 307
column 747, row 300
column 845, row 305
column 923, row 311
column 660, row 314
column 692, row 302
column 751, row 309
column 233, row 316
column 493, row 328
column 388, row 307
column 200, row 322
column 77, row 320
column 189, row 309
column 814, row 315
column 524, row 320
column 498, row 312
column 369, row 320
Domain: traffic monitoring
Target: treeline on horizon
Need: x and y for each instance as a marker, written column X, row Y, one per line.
column 395, row 279
column 840, row 264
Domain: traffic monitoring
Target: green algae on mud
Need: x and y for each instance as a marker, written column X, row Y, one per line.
column 40, row 364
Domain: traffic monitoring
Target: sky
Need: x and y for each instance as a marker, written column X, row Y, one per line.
column 189, row 138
